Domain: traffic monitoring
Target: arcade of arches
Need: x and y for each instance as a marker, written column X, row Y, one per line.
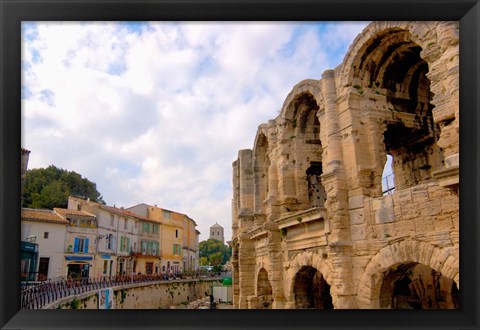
column 313, row 225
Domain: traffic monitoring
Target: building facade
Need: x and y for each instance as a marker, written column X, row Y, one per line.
column 179, row 238
column 81, row 239
column 190, row 244
column 46, row 229
column 126, row 242
column 312, row 226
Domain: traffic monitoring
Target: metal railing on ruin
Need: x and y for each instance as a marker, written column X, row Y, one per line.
column 388, row 184
column 36, row 295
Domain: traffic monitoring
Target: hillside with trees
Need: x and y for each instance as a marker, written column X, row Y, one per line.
column 46, row 188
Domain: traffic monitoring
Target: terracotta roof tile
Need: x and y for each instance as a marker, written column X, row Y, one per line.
column 65, row 212
column 125, row 212
column 42, row 215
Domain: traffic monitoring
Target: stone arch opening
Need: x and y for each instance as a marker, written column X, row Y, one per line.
column 307, row 155
column 412, row 285
column 264, row 290
column 261, row 169
column 388, row 177
column 311, row 290
column 305, row 123
column 391, row 71
column 395, row 261
column 316, row 191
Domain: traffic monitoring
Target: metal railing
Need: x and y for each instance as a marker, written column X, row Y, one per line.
column 388, row 184
column 42, row 294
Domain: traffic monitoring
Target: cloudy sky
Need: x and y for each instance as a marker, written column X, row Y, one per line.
column 156, row 112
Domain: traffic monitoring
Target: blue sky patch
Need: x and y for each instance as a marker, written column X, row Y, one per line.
column 26, row 93
column 48, row 97
column 136, row 27
column 29, row 31
column 117, row 68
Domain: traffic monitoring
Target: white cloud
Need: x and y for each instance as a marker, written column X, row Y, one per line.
column 157, row 114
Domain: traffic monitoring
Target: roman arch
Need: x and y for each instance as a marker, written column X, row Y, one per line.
column 443, row 261
column 309, row 265
column 308, row 199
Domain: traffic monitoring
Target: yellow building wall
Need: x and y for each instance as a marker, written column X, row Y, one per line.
column 171, row 230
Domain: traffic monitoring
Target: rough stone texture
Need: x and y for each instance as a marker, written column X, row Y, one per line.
column 147, row 296
column 309, row 194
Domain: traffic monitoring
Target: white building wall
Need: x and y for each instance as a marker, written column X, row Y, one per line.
column 51, row 247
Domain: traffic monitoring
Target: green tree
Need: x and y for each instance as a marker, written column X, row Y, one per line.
column 50, row 187
column 216, row 258
column 215, row 252
column 203, row 261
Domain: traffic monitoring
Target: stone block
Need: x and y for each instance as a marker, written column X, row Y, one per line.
column 449, row 207
column 443, row 222
column 357, row 217
column 384, row 215
column 405, row 227
column 402, row 197
column 358, row 232
column 360, row 263
column 423, row 225
column 433, row 208
column 355, row 202
column 410, row 212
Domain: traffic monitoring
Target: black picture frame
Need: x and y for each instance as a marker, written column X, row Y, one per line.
column 13, row 12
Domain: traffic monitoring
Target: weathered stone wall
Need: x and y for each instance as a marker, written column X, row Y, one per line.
column 309, row 193
column 148, row 296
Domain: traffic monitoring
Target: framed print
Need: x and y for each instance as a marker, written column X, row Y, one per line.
column 313, row 147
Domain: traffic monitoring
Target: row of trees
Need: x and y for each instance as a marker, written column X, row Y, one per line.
column 46, row 188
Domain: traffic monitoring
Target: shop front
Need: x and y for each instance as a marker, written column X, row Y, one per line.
column 28, row 260
column 78, row 266
column 148, row 265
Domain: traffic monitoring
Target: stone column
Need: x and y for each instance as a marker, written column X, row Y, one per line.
column 333, row 177
column 334, row 155
column 272, row 201
column 235, row 281
column 275, row 254
column 245, row 181
column 246, row 270
column 342, row 287
column 443, row 58
column 337, row 201
column 235, row 198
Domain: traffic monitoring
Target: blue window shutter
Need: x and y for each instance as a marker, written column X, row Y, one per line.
column 75, row 245
column 86, row 246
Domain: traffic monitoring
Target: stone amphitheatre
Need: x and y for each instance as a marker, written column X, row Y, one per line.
column 312, row 225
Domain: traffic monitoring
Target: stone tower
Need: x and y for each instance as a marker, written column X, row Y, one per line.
column 216, row 232
column 312, row 226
